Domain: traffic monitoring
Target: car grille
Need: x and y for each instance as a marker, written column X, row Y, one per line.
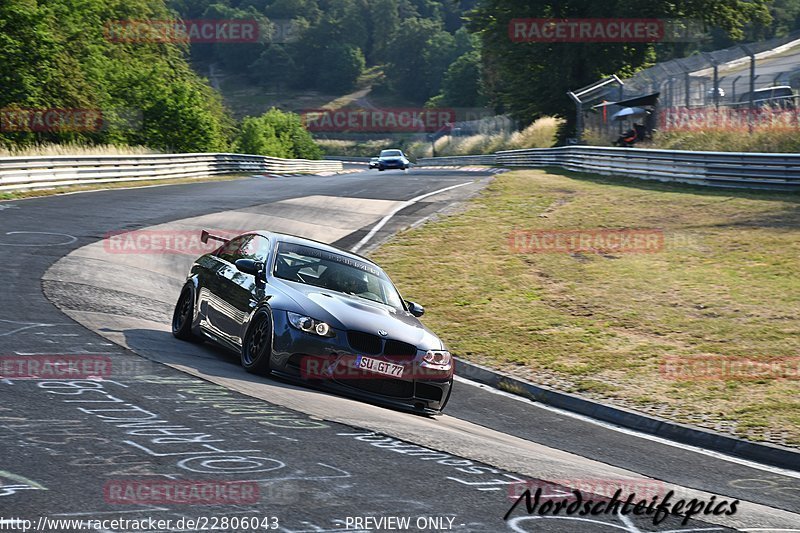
column 364, row 342
column 369, row 344
column 395, row 388
column 393, row 347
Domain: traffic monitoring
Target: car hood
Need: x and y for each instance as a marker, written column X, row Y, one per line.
column 357, row 314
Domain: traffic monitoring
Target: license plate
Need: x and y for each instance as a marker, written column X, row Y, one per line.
column 379, row 367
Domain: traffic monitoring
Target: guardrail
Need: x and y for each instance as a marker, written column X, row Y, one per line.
column 719, row 169
column 347, row 158
column 46, row 172
column 458, row 160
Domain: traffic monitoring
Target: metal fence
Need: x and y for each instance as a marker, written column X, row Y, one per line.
column 722, row 88
column 723, row 77
column 45, row 172
column 719, row 169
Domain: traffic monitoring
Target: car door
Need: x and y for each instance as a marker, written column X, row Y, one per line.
column 220, row 269
column 243, row 291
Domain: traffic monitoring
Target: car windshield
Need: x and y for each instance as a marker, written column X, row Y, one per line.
column 335, row 272
column 391, row 153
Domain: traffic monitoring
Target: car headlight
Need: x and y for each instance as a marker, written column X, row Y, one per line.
column 310, row 325
column 437, row 358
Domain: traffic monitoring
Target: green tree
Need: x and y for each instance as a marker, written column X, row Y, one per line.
column 340, row 67
column 258, row 137
column 419, row 54
column 67, row 54
column 290, row 9
column 277, row 134
column 274, row 67
column 342, row 23
column 178, row 119
column 383, row 19
column 461, row 86
column 232, row 56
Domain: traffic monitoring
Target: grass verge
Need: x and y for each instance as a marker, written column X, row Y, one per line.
column 603, row 325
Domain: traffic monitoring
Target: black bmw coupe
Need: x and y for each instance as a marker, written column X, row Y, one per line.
column 310, row 311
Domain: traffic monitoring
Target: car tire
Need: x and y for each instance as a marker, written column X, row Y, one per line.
column 183, row 316
column 380, row 169
column 257, row 345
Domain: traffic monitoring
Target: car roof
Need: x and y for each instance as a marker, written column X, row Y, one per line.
column 760, row 92
column 294, row 239
column 765, row 89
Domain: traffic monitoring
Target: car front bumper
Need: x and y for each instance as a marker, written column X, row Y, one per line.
column 332, row 363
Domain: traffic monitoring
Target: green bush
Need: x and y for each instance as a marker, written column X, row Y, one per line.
column 276, row 134
column 62, row 54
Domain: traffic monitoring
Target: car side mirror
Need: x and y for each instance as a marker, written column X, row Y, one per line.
column 415, row 309
column 249, row 266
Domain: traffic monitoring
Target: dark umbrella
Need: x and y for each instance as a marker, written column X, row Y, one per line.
column 629, row 112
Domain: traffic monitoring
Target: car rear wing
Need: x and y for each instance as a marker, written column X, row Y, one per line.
column 205, row 236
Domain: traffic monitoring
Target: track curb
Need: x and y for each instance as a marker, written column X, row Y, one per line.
column 765, row 453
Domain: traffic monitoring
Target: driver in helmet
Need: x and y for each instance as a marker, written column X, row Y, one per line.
column 347, row 280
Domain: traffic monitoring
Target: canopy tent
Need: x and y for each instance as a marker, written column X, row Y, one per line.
column 636, row 101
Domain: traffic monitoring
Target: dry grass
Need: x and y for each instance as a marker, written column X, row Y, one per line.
column 73, row 149
column 602, row 325
column 775, row 140
column 730, row 130
column 541, row 134
column 594, row 137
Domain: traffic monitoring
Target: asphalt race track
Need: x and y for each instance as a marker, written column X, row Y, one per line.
column 169, row 411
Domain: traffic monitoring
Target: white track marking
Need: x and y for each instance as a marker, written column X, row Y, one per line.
column 24, row 325
column 396, row 210
column 70, row 238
